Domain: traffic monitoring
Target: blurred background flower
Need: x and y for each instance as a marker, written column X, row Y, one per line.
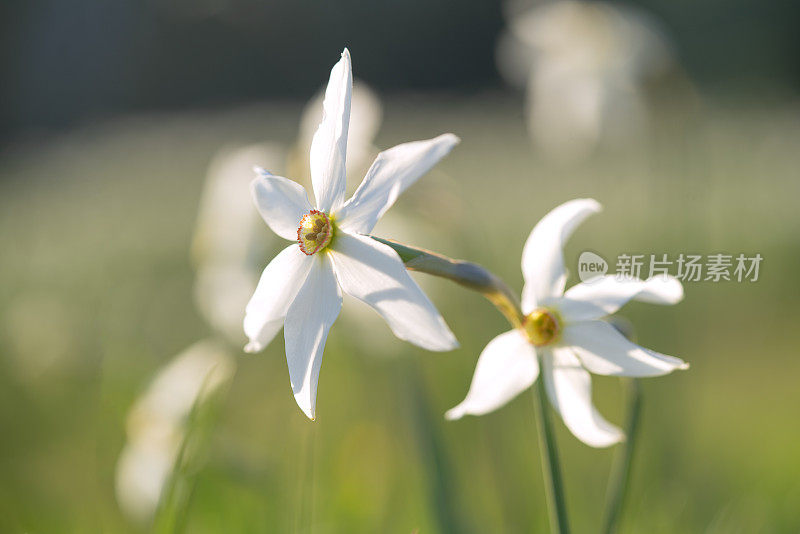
column 589, row 70
column 228, row 246
column 156, row 425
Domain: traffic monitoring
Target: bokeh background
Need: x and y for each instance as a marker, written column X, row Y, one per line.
column 128, row 129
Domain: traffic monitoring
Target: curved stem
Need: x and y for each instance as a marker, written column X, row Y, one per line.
column 468, row 274
column 621, row 470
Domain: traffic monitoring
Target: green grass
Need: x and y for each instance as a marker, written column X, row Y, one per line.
column 96, row 295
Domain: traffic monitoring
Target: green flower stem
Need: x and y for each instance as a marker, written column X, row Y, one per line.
column 477, row 278
column 554, row 487
column 467, row 274
column 621, row 470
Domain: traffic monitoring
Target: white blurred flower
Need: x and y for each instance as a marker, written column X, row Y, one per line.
column 567, row 334
column 227, row 246
column 301, row 288
column 156, row 424
column 584, row 65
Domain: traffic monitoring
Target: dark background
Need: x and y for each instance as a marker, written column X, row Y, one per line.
column 67, row 61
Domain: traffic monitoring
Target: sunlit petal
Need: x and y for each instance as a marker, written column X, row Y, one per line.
column 604, row 351
column 606, row 294
column 308, row 320
column 279, row 283
column 373, row 273
column 543, row 257
column 281, row 203
column 329, row 146
column 366, row 114
column 392, row 172
column 569, row 387
column 506, row 367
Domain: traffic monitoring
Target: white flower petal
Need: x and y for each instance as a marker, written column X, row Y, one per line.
column 393, row 171
column 366, row 114
column 281, row 280
column 308, row 320
column 506, row 367
column 281, row 203
column 329, row 146
column 373, row 273
column 569, row 387
column 606, row 294
column 604, row 351
column 543, row 257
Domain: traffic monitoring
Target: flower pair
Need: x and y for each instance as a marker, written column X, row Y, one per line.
column 301, row 288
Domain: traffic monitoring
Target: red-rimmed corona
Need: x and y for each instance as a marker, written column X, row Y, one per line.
column 315, row 232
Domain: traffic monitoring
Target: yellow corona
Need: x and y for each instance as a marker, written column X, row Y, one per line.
column 542, row 327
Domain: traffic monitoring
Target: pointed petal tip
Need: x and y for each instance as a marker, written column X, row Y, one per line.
column 307, row 408
column 346, row 52
column 616, row 438
column 671, row 289
column 621, row 438
column 587, row 203
column 454, row 413
column 684, row 366
column 451, row 343
column 253, row 347
column 438, row 345
column 451, row 137
column 444, row 345
column 596, row 206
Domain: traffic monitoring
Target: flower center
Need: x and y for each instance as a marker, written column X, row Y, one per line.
column 541, row 326
column 315, row 232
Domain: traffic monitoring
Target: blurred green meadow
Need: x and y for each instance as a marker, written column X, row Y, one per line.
column 96, row 295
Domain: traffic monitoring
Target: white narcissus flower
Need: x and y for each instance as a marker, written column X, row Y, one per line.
column 301, row 288
column 566, row 330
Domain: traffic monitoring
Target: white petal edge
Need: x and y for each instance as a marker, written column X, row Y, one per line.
column 373, row 273
column 569, row 387
column 366, row 113
column 604, row 351
column 506, row 368
column 281, row 203
column 543, row 256
column 281, row 280
column 606, row 294
column 310, row 316
column 329, row 146
column 393, row 171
